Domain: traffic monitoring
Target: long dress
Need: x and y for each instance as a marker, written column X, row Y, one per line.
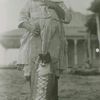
column 30, row 45
column 51, row 39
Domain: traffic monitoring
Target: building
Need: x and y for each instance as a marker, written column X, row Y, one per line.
column 81, row 46
column 9, row 47
column 2, row 54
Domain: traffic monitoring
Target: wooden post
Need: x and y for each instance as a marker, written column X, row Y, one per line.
column 94, row 52
column 75, row 52
column 98, row 27
column 67, row 55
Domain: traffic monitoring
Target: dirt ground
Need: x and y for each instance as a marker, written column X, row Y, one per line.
column 71, row 87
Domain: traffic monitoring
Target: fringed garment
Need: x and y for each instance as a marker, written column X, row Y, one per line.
column 45, row 87
column 42, row 83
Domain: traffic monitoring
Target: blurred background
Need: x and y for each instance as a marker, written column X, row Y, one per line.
column 83, row 81
column 9, row 16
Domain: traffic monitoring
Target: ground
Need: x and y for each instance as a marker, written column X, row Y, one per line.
column 71, row 87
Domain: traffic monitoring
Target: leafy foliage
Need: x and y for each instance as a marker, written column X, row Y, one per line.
column 91, row 24
column 95, row 6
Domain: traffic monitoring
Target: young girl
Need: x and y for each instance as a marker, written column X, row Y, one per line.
column 43, row 21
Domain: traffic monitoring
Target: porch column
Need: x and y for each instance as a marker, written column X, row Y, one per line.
column 85, row 50
column 89, row 48
column 75, row 52
column 94, row 52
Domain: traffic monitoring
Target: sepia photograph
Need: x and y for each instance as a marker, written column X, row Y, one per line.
column 49, row 49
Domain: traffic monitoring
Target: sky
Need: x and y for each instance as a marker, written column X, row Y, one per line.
column 9, row 11
column 80, row 5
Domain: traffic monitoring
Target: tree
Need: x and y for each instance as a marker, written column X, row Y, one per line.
column 91, row 24
column 95, row 6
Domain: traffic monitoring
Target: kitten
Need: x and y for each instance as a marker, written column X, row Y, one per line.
column 45, row 58
column 44, row 66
